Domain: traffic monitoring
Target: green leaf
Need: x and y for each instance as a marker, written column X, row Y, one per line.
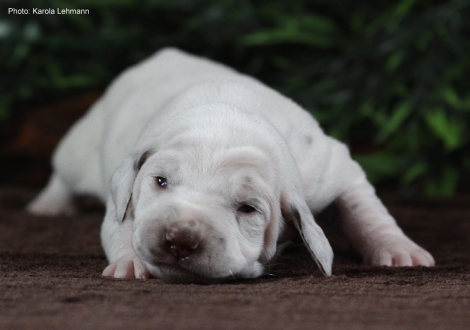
column 398, row 116
column 378, row 116
column 394, row 61
column 62, row 81
column 415, row 171
column 285, row 35
column 379, row 165
column 316, row 23
column 403, row 8
column 423, row 40
column 309, row 30
column 465, row 105
column 444, row 185
column 451, row 131
column 451, row 97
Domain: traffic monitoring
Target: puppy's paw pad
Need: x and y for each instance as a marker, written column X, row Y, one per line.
column 127, row 268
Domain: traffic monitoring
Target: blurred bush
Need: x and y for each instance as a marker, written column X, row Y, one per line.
column 389, row 78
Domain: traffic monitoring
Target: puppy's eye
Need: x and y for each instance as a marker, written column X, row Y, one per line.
column 162, row 182
column 245, row 208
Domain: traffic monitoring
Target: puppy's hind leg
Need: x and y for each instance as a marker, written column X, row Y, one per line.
column 372, row 230
column 55, row 199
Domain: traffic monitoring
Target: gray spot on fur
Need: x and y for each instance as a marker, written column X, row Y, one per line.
column 308, row 139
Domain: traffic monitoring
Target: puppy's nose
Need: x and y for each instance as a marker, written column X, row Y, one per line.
column 182, row 242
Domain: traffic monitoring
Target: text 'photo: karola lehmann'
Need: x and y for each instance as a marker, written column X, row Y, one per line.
column 47, row 11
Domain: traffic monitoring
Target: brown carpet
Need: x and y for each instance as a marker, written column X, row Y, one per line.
column 50, row 279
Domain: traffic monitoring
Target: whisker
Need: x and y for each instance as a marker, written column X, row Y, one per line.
column 234, row 278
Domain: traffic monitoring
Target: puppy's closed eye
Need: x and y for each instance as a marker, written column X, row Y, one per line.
column 247, row 209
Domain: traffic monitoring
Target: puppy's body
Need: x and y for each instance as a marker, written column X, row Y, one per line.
column 225, row 145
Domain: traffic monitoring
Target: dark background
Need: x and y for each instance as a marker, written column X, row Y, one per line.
column 390, row 78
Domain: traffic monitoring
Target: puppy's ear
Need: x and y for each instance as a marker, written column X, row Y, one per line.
column 295, row 209
column 122, row 182
column 271, row 235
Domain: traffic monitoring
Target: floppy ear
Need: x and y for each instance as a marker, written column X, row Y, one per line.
column 295, row 209
column 122, row 183
column 271, row 236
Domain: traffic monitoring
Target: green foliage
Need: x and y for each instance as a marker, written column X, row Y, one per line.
column 389, row 78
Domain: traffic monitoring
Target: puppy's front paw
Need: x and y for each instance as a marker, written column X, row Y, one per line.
column 399, row 251
column 127, row 268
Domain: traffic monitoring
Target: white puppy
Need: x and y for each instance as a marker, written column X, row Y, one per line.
column 204, row 170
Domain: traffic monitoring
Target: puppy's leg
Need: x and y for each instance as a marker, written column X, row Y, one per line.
column 55, row 199
column 117, row 243
column 372, row 230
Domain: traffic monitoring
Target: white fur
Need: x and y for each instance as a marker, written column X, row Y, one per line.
column 222, row 140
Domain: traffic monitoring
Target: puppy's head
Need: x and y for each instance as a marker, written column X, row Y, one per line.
column 209, row 203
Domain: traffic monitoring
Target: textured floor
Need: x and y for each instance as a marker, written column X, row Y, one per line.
column 50, row 279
